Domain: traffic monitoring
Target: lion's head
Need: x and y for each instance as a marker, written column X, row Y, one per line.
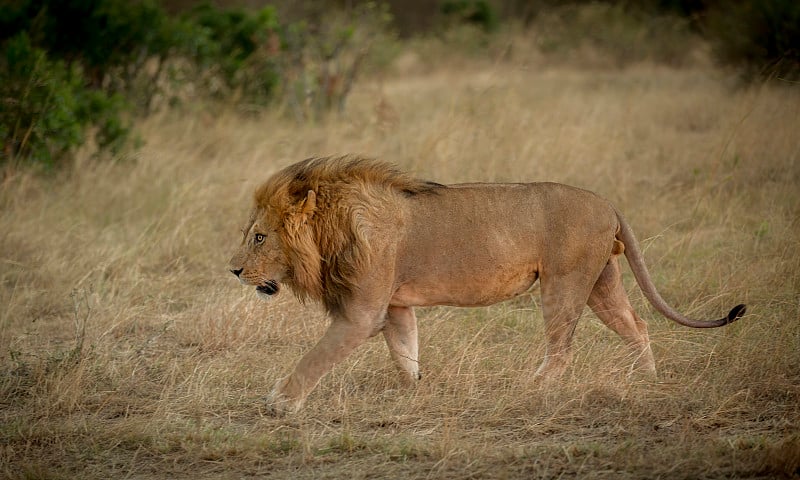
column 267, row 256
column 310, row 224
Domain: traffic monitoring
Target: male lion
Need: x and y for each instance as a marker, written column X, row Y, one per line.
column 371, row 243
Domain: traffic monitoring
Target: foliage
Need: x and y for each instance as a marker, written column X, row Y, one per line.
column 240, row 49
column 107, row 37
column 46, row 111
column 320, row 61
column 78, row 70
column 760, row 38
column 71, row 70
column 74, row 66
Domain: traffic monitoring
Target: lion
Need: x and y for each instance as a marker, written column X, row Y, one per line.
column 370, row 243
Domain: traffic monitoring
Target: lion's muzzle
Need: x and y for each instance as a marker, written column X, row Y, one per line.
column 238, row 273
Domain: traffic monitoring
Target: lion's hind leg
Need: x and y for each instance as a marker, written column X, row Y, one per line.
column 610, row 303
column 564, row 297
column 400, row 333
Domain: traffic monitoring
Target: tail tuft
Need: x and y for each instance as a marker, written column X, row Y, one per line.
column 736, row 313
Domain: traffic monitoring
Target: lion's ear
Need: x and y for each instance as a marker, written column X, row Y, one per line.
column 308, row 205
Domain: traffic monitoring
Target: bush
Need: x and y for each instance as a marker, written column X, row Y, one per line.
column 73, row 67
column 240, row 48
column 70, row 70
column 760, row 38
column 46, row 111
column 319, row 62
column 111, row 39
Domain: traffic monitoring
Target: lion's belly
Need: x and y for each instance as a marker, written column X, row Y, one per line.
column 461, row 289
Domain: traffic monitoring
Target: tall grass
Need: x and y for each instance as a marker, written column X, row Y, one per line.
column 126, row 351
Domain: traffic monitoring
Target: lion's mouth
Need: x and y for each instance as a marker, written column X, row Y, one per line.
column 271, row 287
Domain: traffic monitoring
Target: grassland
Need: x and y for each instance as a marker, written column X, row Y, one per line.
column 128, row 351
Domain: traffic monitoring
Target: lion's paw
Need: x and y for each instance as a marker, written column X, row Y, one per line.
column 278, row 403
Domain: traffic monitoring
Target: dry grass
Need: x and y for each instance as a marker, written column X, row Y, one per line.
column 128, row 352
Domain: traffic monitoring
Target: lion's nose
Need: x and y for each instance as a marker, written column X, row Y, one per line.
column 237, row 272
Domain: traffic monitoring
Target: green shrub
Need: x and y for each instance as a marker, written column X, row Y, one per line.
column 111, row 39
column 320, row 62
column 46, row 111
column 74, row 67
column 240, row 48
column 760, row 38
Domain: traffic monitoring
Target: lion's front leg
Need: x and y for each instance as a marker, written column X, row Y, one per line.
column 400, row 333
column 341, row 338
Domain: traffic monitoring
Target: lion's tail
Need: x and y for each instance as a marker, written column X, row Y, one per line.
column 636, row 261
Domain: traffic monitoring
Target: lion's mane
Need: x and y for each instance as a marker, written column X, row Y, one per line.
column 329, row 247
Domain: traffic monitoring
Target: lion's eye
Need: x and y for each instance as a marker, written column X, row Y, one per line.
column 259, row 238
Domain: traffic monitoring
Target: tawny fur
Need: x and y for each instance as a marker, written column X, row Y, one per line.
column 371, row 242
